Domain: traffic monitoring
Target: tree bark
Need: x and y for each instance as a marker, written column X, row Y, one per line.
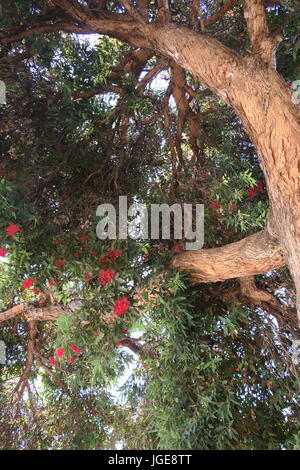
column 255, row 254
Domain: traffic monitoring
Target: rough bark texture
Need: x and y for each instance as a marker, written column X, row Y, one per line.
column 255, row 254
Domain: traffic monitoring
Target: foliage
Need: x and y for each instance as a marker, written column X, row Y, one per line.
column 184, row 367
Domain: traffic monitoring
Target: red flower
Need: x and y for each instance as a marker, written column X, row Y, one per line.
column 93, row 412
column 113, row 255
column 12, row 229
column 251, row 194
column 215, row 205
column 76, row 255
column 96, row 333
column 260, row 186
column 51, row 283
column 92, row 252
column 207, row 297
column 105, row 277
column 88, row 277
column 75, row 349
column 57, row 243
column 60, row 263
column 176, row 249
column 145, row 256
column 104, row 260
column 3, row 252
column 125, row 331
column 27, row 283
column 36, row 291
column 70, row 359
column 119, row 343
column 121, row 306
column 84, row 238
column 60, row 352
column 52, row 361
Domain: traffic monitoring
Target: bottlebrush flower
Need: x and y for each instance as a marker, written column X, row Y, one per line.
column 27, row 283
column 121, row 306
column 59, row 263
column 125, row 331
column 3, row 252
column 11, row 229
column 105, row 277
column 60, row 352
column 52, row 361
column 75, row 349
column 36, row 291
column 52, row 283
column 215, row 205
column 88, row 277
column 70, row 359
column 76, row 255
column 119, row 343
column 260, row 186
column 92, row 252
column 251, row 194
column 176, row 249
column 113, row 255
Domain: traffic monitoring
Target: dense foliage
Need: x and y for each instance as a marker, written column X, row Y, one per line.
column 138, row 358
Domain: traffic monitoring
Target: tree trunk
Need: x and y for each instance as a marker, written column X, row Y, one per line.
column 263, row 102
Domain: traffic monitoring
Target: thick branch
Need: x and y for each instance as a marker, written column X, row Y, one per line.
column 31, row 313
column 256, row 254
column 261, row 41
column 220, row 13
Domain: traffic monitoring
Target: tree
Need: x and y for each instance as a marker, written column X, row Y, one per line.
column 82, row 126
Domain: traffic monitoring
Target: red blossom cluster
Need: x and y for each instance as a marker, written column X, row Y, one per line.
column 3, row 252
column 110, row 257
column 27, row 283
column 60, row 353
column 121, row 306
column 75, row 349
column 176, row 249
column 36, row 291
column 11, row 229
column 60, row 263
column 215, row 205
column 258, row 188
column 105, row 276
column 88, row 277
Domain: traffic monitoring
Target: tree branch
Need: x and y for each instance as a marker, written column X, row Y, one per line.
column 31, row 313
column 220, row 13
column 256, row 254
column 262, row 43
